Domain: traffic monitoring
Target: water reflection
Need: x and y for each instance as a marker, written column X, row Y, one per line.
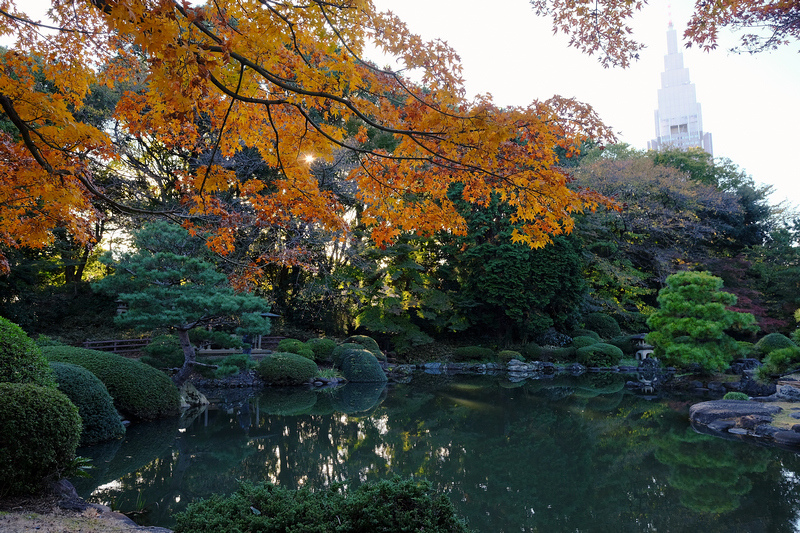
column 560, row 454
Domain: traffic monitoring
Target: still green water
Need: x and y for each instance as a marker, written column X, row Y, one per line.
column 560, row 454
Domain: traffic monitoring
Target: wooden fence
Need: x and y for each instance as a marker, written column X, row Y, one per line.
column 117, row 345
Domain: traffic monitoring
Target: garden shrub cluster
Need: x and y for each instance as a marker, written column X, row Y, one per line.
column 779, row 362
column 531, row 351
column 322, row 348
column 599, row 355
column 504, row 356
column 285, row 368
column 585, row 333
column 386, row 506
column 139, row 390
column 603, row 324
column 101, row 422
column 557, row 355
column 361, row 366
column 338, row 353
column 39, row 432
column 296, row 346
column 735, row 395
column 624, row 343
column 368, row 343
column 583, row 340
column 21, row 360
column 473, row 353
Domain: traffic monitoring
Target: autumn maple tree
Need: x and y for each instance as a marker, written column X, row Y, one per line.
column 602, row 26
column 288, row 81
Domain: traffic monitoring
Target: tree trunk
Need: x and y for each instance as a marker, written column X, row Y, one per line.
column 189, row 357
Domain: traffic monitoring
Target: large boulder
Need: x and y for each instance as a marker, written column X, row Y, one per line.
column 708, row 412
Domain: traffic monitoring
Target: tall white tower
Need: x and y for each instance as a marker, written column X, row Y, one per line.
column 679, row 123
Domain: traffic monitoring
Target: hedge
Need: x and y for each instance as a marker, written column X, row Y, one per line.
column 360, row 366
column 101, row 422
column 139, row 390
column 284, row 368
column 39, row 432
column 599, row 355
column 21, row 360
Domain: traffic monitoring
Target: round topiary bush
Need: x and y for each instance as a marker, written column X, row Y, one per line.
column 139, row 390
column 531, row 351
column 368, row 343
column 322, row 348
column 284, row 368
column 624, row 343
column 583, row 340
column 360, row 366
column 39, row 432
column 599, row 355
column 585, row 333
column 735, row 395
column 504, row 356
column 774, row 341
column 21, row 360
column 338, row 353
column 296, row 346
column 101, row 421
column 473, row 353
column 603, row 324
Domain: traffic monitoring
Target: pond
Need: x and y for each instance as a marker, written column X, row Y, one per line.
column 559, row 454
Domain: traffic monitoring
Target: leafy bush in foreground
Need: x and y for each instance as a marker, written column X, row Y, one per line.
column 101, row 421
column 284, row 368
column 39, row 432
column 139, row 390
column 386, row 506
column 21, row 360
column 779, row 362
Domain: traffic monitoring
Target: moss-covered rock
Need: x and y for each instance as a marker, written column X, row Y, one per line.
column 285, row 368
column 39, row 432
column 360, row 366
column 21, row 360
column 101, row 422
column 139, row 390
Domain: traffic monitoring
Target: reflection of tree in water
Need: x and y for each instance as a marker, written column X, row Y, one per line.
column 710, row 474
column 510, row 458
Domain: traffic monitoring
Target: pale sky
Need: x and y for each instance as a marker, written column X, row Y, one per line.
column 750, row 104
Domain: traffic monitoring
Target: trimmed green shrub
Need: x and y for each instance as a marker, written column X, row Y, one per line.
column 583, row 341
column 241, row 361
column 624, row 343
column 386, row 506
column 322, row 348
column 368, row 343
column 285, row 368
column 101, row 421
column 21, row 360
column 585, row 333
column 735, row 395
column 599, row 355
column 603, row 324
column 139, row 390
column 557, row 355
column 360, row 366
column 338, row 353
column 772, row 342
column 504, row 356
column 296, row 346
column 473, row 353
column 39, row 432
column 531, row 351
column 164, row 351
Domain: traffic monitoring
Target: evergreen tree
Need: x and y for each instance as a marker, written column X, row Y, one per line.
column 692, row 323
column 166, row 283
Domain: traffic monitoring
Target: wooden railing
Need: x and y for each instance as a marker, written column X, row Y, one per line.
column 117, row 345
